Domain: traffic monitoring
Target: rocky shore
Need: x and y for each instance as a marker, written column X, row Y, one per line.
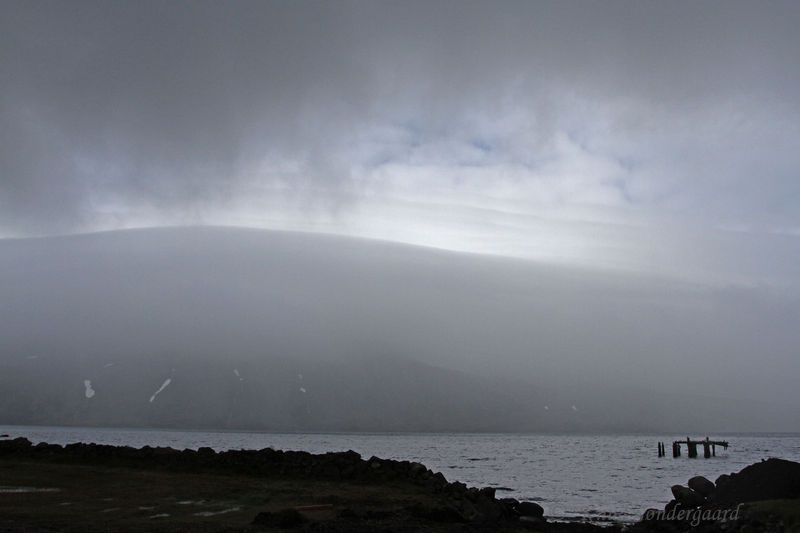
column 88, row 487
column 414, row 497
column 761, row 497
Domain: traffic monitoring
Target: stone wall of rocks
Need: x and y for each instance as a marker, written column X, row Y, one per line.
column 457, row 501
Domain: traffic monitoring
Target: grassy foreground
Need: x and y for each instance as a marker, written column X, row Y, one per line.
column 101, row 498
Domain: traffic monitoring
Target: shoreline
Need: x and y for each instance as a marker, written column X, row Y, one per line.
column 59, row 487
column 602, row 518
column 354, row 492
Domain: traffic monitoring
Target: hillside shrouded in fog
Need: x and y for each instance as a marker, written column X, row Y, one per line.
column 443, row 215
column 260, row 329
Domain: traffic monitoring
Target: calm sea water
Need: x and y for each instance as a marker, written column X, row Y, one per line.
column 600, row 477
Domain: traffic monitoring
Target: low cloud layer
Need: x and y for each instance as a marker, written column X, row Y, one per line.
column 559, row 131
column 191, row 312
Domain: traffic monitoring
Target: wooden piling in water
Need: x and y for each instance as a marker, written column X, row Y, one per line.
column 709, row 447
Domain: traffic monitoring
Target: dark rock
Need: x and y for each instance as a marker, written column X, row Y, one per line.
column 284, row 519
column 533, row 520
column 45, row 448
column 350, row 456
column 509, row 503
column 701, row 486
column 457, row 489
column 329, row 471
column 490, row 510
column 772, row 479
column 417, row 469
column 165, row 452
column 530, row 509
column 469, row 512
column 18, row 445
column 487, row 493
column 687, row 497
column 651, row 514
column 438, row 481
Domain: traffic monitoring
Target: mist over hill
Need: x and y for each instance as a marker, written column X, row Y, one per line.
column 237, row 328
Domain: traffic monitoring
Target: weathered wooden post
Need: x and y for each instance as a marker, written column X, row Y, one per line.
column 692, row 448
column 709, row 447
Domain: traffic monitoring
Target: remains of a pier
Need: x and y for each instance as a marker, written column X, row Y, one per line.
column 709, row 447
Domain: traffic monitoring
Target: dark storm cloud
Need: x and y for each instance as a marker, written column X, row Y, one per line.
column 88, row 95
column 181, row 105
column 161, row 101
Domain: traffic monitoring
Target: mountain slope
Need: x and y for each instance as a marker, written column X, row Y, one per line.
column 269, row 330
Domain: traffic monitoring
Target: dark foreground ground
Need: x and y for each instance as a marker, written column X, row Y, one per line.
column 105, row 488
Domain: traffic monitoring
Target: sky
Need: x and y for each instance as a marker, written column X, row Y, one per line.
column 659, row 137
